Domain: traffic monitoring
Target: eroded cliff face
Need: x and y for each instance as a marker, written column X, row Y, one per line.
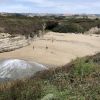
column 9, row 43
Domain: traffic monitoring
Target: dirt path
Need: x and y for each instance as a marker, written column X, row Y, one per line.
column 57, row 48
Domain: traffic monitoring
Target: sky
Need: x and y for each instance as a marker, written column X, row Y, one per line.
column 51, row 6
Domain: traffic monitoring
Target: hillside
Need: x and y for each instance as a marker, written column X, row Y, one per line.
column 27, row 26
column 31, row 26
column 77, row 80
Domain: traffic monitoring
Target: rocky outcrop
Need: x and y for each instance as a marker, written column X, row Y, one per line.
column 9, row 43
column 49, row 97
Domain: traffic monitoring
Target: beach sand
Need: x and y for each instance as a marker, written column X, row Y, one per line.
column 56, row 49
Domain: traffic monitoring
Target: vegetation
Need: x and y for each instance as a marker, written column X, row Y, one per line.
column 80, row 25
column 31, row 26
column 71, row 27
column 21, row 25
column 78, row 80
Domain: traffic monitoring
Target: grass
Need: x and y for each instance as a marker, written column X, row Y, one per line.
column 78, row 80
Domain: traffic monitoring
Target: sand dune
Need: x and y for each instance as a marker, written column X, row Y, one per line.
column 56, row 48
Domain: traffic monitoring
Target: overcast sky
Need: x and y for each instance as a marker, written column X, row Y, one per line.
column 51, row 6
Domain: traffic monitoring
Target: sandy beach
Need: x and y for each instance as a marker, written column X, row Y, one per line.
column 56, row 48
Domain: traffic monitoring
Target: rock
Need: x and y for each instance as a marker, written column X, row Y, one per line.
column 8, row 43
column 48, row 97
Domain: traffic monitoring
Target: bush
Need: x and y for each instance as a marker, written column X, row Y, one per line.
column 80, row 25
column 21, row 25
column 51, row 24
column 65, row 28
column 83, row 68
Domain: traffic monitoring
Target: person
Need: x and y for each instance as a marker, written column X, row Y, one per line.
column 52, row 40
column 33, row 47
column 46, row 47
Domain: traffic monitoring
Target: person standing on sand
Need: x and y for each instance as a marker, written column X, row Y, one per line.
column 33, row 47
column 52, row 40
column 46, row 47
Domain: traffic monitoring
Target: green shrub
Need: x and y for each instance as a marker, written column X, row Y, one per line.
column 51, row 24
column 72, row 25
column 83, row 68
column 65, row 28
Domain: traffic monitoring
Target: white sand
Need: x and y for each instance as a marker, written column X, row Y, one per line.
column 61, row 50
